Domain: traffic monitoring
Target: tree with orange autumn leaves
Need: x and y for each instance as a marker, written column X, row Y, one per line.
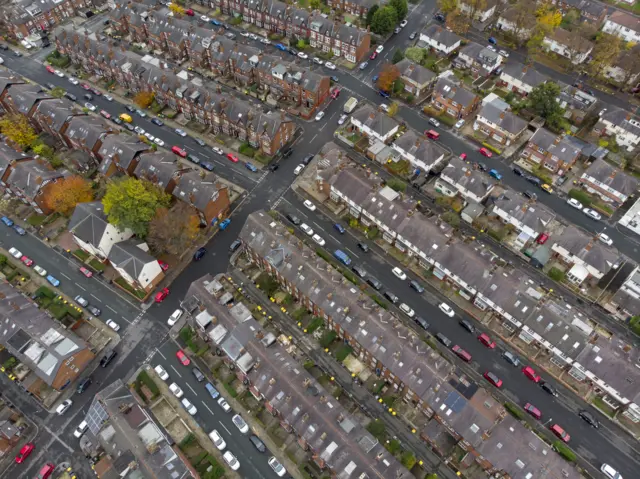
column 65, row 194
column 387, row 77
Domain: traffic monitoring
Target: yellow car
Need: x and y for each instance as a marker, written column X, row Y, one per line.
column 546, row 188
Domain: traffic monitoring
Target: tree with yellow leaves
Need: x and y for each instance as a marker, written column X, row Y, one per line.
column 176, row 9
column 393, row 109
column 144, row 98
column 387, row 76
column 175, row 230
column 18, row 129
column 65, row 194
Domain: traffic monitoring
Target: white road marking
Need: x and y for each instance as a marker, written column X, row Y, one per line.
column 65, row 275
column 314, row 137
column 125, row 320
column 322, row 127
column 111, row 309
column 208, row 409
column 163, row 356
column 80, row 287
column 225, row 428
column 300, row 212
column 317, row 225
column 352, row 253
column 176, row 371
column 96, row 298
column 335, row 239
column 192, row 390
column 53, row 434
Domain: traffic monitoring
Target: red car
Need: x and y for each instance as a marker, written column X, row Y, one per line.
column 534, row 411
column 493, row 379
column 26, row 260
column 486, row 340
column 373, row 56
column 561, row 433
column 161, row 295
column 163, row 266
column 461, row 353
column 179, row 151
column 232, row 157
column 463, row 156
column 96, row 92
column 189, row 12
column 45, row 471
column 335, row 93
column 84, row 86
column 86, row 272
column 50, row 69
column 24, row 452
column 485, row 152
column 531, row 374
column 183, row 358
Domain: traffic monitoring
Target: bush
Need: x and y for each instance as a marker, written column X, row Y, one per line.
column 11, row 276
column 514, row 410
column 492, row 148
column 393, row 446
column 316, row 323
column 144, row 378
column 327, row 338
column 379, row 301
column 46, row 292
column 343, row 352
column 408, row 459
column 564, row 451
column 186, row 334
column 246, row 150
column 377, row 429
column 556, row 274
column 396, row 184
column 3, row 260
column 308, row 364
column 634, row 324
column 299, row 313
column 451, row 218
column 581, row 196
column 187, row 441
column 235, row 21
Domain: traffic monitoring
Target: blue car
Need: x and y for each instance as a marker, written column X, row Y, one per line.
column 53, row 281
column 224, row 224
column 493, row 41
column 215, row 22
column 495, row 174
column 250, row 167
column 157, row 121
column 206, row 165
column 213, row 391
column 7, row 221
column 375, row 78
column 383, row 94
column 280, row 46
column 19, row 230
column 339, row 228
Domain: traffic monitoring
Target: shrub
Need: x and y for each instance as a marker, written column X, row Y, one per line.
column 188, row 440
column 11, row 276
column 246, row 150
column 235, row 21
column 564, row 451
column 377, row 429
column 299, row 313
column 634, row 324
column 408, row 459
column 327, row 338
column 308, row 364
column 394, row 446
column 379, row 301
column 3, row 260
column 492, row 148
column 396, row 184
column 514, row 410
column 343, row 352
column 46, row 292
column 316, row 323
column 556, row 274
column 451, row 218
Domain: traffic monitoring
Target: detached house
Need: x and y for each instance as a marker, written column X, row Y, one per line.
column 132, row 261
column 419, row 151
column 623, row 68
column 500, row 124
column 518, row 23
column 93, row 233
column 521, row 79
column 478, row 58
column 621, row 124
column 31, row 180
column 375, row 124
column 454, row 100
column 417, row 79
column 207, row 195
column 623, row 25
column 440, row 39
column 481, row 11
column 459, row 177
column 554, row 152
column 564, row 44
column 611, row 184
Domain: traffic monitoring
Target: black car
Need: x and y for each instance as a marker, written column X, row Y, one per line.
column 364, row 247
column 198, row 255
column 530, row 194
column 157, row 121
column 287, row 153
column 444, row 340
column 257, row 442
column 71, row 96
column 481, row 166
column 391, row 297
column 533, row 180
column 93, row 310
column 589, row 418
column 200, row 142
column 549, row 388
column 4, row 47
column 518, row 171
column 440, row 17
column 417, row 287
column 107, row 358
column 374, row 283
column 360, row 271
column 467, row 325
column 198, row 374
column 235, row 245
column 294, row 219
column 50, row 86
column 293, row 51
column 307, row 159
column 206, row 165
column 130, row 108
column 116, row 120
column 274, row 167
column 421, row 322
column 84, row 385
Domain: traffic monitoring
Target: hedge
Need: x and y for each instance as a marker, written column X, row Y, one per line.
column 492, row 148
column 231, row 390
column 514, row 410
column 328, row 338
column 145, row 379
column 564, row 451
column 46, row 292
column 315, row 324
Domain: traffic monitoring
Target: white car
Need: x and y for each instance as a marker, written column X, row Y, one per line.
column 40, row 270
column 231, row 460
column 407, row 310
column 602, row 237
column 446, row 309
column 218, row 150
column 81, row 429
column 240, row 423
column 342, row 119
column 399, row 273
column 318, row 239
column 113, row 325
column 15, row 253
column 160, row 371
column 277, row 467
column 190, row 408
column 379, row 49
column 90, row 106
column 592, row 214
column 139, row 130
column 244, row 34
column 253, row 36
column 64, row 407
column 175, row 316
column 384, row 108
column 107, row 97
column 329, row 65
column 298, row 170
column 575, row 203
column 492, row 48
column 434, row 122
column 610, row 472
column 149, row 136
column 158, row 141
column 320, row 115
column 180, row 132
column 175, row 389
column 303, row 55
column 224, row 404
column 205, row 19
column 59, row 73
column 217, row 440
column 503, row 53
column 265, row 41
column 459, row 124
column 305, row 227
column 73, row 80
column 317, row 61
column 309, row 205
column 403, row 23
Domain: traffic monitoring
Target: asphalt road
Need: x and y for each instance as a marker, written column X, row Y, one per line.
column 211, row 416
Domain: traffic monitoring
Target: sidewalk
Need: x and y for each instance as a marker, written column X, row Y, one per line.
column 367, row 402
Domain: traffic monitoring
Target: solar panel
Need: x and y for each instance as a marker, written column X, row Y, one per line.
column 455, row 402
column 96, row 416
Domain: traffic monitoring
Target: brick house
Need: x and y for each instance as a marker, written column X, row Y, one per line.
column 53, row 116
column 352, row 7
column 502, row 125
column 161, row 169
column 454, row 100
column 208, row 196
column 8, row 159
column 590, row 12
column 30, row 181
column 87, row 133
column 553, row 152
column 22, row 99
column 120, row 154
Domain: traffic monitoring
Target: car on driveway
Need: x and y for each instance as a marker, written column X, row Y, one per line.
column 575, row 203
column 399, row 273
column 589, row 418
column 446, row 309
column 529, row 372
column 593, row 214
column 184, row 360
column 493, row 379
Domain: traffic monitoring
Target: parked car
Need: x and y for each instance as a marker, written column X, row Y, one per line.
column 175, row 316
column 107, row 358
column 534, row 411
column 575, row 203
column 561, row 433
column 25, row 452
column 257, row 443
column 217, row 440
column 176, row 390
column 591, row 213
column 493, row 379
column 83, row 385
column 399, row 273
column 231, row 460
column 64, row 407
column 224, row 404
column 530, row 373
column 240, row 423
column 81, row 301
column 160, row 371
column 589, row 418
column 486, row 340
column 113, row 325
column 161, row 295
column 484, row 152
column 446, row 309
column 189, row 407
column 276, row 466
column 198, row 375
column 467, row 325
column 183, row 358
column 53, row 281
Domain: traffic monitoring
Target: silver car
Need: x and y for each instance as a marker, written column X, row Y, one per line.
column 81, row 301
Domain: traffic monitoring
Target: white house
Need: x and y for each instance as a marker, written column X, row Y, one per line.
column 562, row 43
column 440, row 39
column 93, row 233
column 483, row 10
column 521, row 79
column 459, row 177
column 481, row 60
column 376, row 124
column 132, row 261
column 621, row 124
column 623, row 25
column 419, row 151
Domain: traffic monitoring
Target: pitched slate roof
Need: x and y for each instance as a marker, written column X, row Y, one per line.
column 622, row 119
column 612, row 177
column 454, row 92
column 441, row 35
column 87, row 130
column 29, row 175
column 197, row 191
column 125, row 147
column 524, row 73
column 8, row 155
column 379, row 122
column 558, row 146
column 24, row 96
column 625, row 19
column 159, row 168
column 55, row 112
column 472, row 180
column 415, row 72
column 504, row 119
column 418, row 146
column 128, row 256
column 593, row 252
column 89, row 222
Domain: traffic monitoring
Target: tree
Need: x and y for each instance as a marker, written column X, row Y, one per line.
column 549, row 19
column 457, row 22
column 634, row 324
column 401, row 8
column 175, row 230
column 542, row 101
column 393, row 109
column 65, row 194
column 315, row 4
column 18, row 130
column 57, row 92
column 132, row 203
column 523, row 19
column 605, row 52
column 415, row 54
column 629, row 62
column 571, row 19
column 384, row 20
column 43, row 150
column 372, row 11
column 475, row 6
column 176, row 9
column 144, row 98
column 447, row 6
column 387, row 76
column 398, row 56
